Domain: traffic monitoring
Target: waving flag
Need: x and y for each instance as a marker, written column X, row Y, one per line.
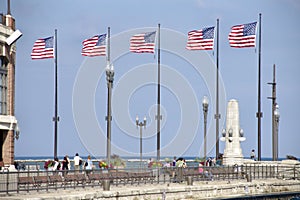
column 43, row 48
column 143, row 42
column 242, row 35
column 95, row 46
column 201, row 39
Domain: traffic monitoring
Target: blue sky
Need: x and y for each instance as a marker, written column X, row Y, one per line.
column 82, row 84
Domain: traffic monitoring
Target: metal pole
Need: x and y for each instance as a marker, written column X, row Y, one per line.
column 8, row 7
column 108, row 123
column 158, row 117
column 108, row 46
column 274, row 145
column 217, row 116
column 205, row 142
column 275, row 103
column 205, row 110
column 259, row 114
column 274, row 137
column 110, row 79
column 141, row 145
column 55, row 118
column 141, row 124
column 277, row 116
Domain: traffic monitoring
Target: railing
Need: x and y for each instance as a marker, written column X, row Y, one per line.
column 39, row 180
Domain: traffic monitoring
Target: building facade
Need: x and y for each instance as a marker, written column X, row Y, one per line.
column 8, row 123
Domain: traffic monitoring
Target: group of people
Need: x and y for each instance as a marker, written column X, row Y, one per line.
column 65, row 164
column 180, row 162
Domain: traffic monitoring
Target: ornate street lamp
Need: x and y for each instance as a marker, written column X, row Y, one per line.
column 205, row 104
column 242, row 138
column 141, row 124
column 17, row 131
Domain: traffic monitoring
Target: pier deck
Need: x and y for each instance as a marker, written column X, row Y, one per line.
column 199, row 190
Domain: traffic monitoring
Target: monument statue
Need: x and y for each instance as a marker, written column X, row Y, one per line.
column 232, row 135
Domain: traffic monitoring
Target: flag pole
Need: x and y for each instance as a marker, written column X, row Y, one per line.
column 259, row 114
column 217, row 115
column 108, row 46
column 55, row 118
column 158, row 116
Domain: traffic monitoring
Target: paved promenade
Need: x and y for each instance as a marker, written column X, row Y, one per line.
column 198, row 190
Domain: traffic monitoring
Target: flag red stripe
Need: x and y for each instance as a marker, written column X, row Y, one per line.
column 90, row 49
column 237, row 39
column 39, row 50
column 196, row 41
column 139, row 45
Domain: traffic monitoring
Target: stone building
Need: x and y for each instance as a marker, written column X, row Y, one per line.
column 8, row 123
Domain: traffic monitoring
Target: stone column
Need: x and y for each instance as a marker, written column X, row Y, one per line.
column 233, row 152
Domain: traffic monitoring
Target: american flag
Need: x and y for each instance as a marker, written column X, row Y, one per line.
column 43, row 48
column 242, row 35
column 201, row 39
column 95, row 46
column 143, row 42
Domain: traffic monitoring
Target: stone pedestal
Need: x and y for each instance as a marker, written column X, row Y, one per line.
column 232, row 135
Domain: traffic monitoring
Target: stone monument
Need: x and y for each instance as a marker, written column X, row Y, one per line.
column 232, row 135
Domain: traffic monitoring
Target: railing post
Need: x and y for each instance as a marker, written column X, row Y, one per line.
column 251, row 171
column 47, row 184
column 157, row 175
column 7, row 181
column 18, row 175
column 28, row 177
column 164, row 171
column 246, row 169
column 38, row 173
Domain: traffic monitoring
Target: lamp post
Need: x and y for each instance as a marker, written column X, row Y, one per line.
column 277, row 116
column 205, row 104
column 110, row 79
column 273, row 114
column 141, row 124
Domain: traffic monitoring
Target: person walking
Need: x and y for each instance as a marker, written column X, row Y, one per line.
column 88, row 164
column 56, row 164
column 252, row 155
column 69, row 162
column 65, row 164
column 77, row 162
column 174, row 162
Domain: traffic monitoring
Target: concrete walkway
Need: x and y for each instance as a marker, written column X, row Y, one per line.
column 199, row 190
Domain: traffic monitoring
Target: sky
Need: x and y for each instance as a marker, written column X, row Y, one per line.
column 186, row 76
